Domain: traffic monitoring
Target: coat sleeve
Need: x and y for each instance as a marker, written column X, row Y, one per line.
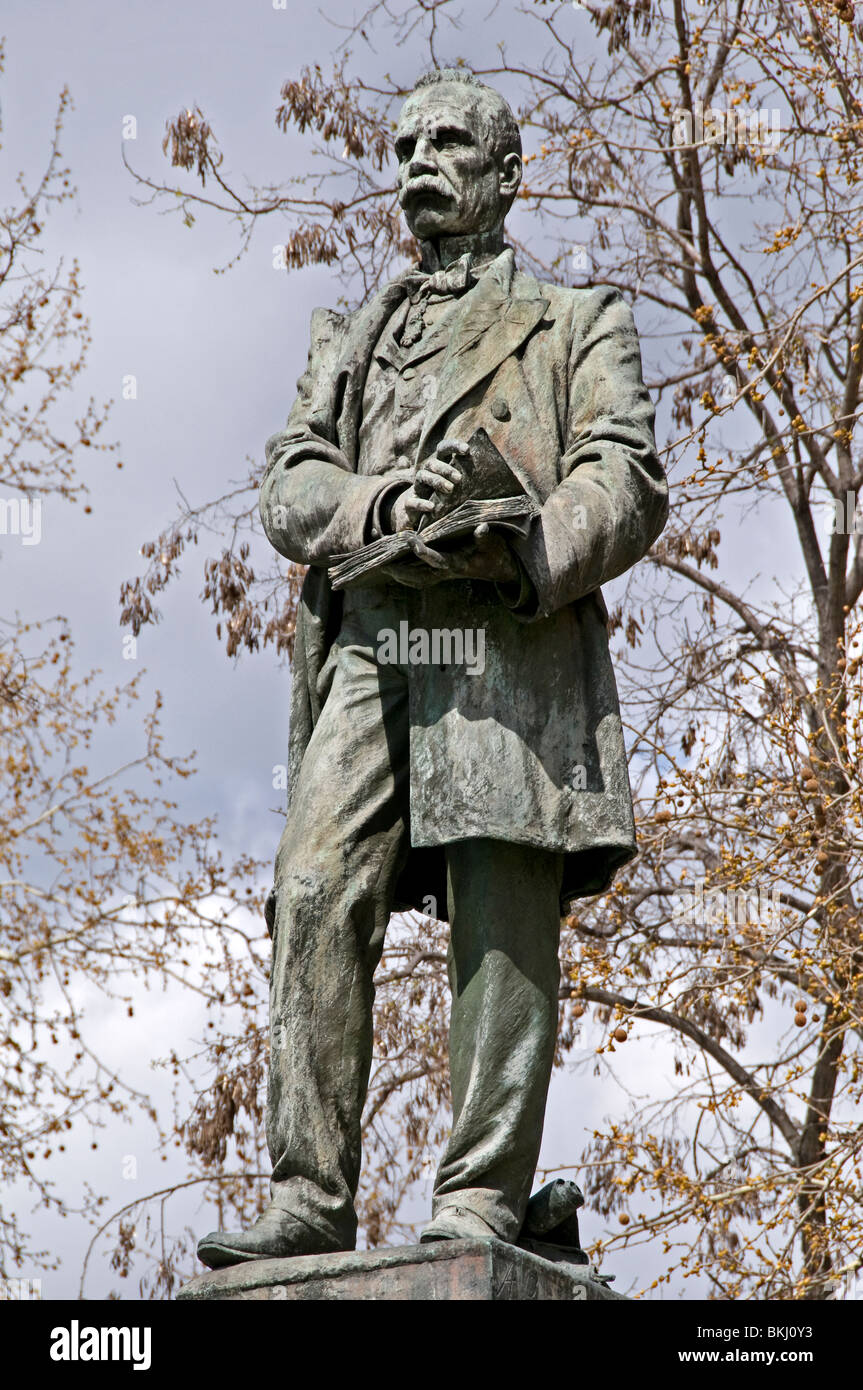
column 612, row 500
column 313, row 504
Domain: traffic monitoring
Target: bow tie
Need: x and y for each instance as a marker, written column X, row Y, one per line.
column 449, row 282
column 454, row 279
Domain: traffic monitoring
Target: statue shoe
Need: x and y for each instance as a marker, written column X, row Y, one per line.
column 275, row 1235
column 457, row 1223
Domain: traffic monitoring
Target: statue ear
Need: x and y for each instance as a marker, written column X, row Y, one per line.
column 510, row 175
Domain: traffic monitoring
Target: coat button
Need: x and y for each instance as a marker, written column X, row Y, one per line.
column 499, row 408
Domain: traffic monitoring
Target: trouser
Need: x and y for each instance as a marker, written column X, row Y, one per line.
column 345, row 843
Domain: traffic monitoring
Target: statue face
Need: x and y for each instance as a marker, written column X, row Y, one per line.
column 449, row 180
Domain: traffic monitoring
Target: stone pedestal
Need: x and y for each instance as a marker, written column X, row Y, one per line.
column 484, row 1270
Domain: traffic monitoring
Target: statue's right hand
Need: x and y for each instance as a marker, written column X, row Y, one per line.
column 431, row 491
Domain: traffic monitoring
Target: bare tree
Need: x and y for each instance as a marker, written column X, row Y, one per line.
column 713, row 151
column 105, row 889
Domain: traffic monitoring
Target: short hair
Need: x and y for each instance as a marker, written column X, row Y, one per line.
column 501, row 125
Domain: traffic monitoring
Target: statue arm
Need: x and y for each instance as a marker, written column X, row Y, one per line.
column 313, row 504
column 612, row 501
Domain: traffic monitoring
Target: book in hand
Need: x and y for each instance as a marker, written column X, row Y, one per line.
column 490, row 494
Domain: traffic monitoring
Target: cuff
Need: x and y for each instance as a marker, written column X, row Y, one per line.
column 379, row 518
column 551, row 561
column 519, row 595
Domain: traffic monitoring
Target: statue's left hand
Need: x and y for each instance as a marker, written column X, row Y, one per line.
column 486, row 556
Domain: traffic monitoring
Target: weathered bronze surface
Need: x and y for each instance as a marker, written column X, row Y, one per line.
column 494, row 789
column 464, row 1270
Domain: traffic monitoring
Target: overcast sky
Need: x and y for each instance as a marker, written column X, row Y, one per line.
column 215, row 358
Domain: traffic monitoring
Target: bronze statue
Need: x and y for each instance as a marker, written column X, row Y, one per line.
column 501, row 793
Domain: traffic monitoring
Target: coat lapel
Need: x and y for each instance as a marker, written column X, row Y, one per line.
column 350, row 378
column 488, row 328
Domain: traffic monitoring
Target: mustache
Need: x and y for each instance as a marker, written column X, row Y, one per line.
column 424, row 183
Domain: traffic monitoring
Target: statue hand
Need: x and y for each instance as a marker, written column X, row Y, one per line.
column 486, row 556
column 432, row 490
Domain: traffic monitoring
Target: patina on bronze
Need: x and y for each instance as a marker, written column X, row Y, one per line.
column 502, row 795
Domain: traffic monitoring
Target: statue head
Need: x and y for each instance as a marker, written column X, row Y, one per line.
column 459, row 153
